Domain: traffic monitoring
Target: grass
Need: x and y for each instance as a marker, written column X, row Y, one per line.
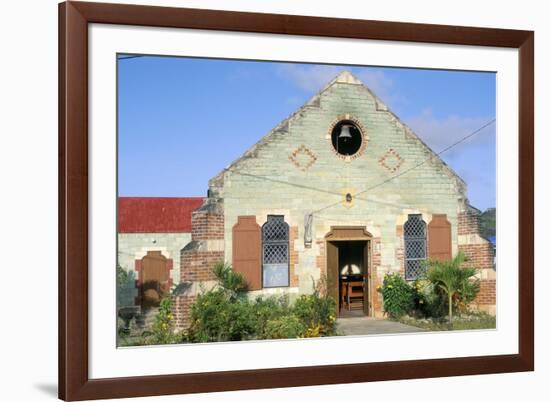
column 464, row 322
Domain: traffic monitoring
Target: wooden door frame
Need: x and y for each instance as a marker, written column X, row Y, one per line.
column 338, row 234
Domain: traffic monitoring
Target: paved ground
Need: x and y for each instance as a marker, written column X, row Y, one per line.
column 372, row 326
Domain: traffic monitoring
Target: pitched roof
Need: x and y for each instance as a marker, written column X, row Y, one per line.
column 156, row 214
column 345, row 77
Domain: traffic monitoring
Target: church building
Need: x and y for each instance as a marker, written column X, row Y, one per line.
column 341, row 191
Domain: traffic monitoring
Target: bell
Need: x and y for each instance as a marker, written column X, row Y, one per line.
column 344, row 132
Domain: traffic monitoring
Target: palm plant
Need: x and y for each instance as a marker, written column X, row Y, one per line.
column 231, row 281
column 451, row 278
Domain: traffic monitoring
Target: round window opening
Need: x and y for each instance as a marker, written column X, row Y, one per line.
column 346, row 138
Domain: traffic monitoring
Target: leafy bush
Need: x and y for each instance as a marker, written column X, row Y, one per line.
column 266, row 310
column 398, row 295
column 317, row 314
column 226, row 314
column 429, row 300
column 162, row 331
column 216, row 316
column 284, row 327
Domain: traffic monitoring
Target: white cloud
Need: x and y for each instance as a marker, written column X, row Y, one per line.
column 309, row 77
column 380, row 84
column 473, row 159
column 313, row 78
column 440, row 133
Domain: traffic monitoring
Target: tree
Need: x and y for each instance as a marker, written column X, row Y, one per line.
column 451, row 278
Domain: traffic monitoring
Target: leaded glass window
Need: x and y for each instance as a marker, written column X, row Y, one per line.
column 275, row 252
column 415, row 246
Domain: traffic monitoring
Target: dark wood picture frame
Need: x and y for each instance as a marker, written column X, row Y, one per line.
column 74, row 382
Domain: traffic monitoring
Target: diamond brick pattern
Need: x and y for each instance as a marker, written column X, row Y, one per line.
column 391, row 161
column 302, row 157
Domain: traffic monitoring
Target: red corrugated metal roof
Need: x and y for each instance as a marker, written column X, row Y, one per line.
column 156, row 214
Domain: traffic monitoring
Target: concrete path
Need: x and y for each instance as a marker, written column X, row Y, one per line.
column 372, row 326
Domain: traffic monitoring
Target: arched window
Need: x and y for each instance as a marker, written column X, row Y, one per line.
column 275, row 253
column 415, row 246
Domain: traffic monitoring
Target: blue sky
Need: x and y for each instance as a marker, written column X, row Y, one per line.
column 182, row 120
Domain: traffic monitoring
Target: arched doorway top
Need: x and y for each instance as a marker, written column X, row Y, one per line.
column 348, row 233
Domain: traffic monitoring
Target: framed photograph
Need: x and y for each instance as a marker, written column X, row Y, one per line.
column 262, row 200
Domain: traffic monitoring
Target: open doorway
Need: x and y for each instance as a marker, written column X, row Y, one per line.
column 348, row 274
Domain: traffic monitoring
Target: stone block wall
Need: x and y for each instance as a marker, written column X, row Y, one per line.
column 132, row 247
column 295, row 170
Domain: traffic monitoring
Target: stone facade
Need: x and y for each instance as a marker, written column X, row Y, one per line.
column 295, row 170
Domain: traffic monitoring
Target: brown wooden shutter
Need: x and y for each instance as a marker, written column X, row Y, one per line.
column 439, row 238
column 247, row 250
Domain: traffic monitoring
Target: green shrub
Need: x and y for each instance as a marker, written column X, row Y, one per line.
column 317, row 314
column 398, row 295
column 284, row 327
column 216, row 316
column 266, row 310
column 428, row 300
column 226, row 314
column 163, row 331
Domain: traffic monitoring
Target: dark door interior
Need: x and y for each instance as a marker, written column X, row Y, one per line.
column 352, row 271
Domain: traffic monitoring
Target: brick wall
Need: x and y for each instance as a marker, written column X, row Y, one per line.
column 199, row 257
column 487, row 292
column 468, row 223
column 197, row 265
column 181, row 310
column 207, row 225
column 479, row 251
column 479, row 256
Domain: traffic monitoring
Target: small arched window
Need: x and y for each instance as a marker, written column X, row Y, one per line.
column 415, row 246
column 275, row 253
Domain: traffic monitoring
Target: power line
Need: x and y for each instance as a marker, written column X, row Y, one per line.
column 302, row 186
column 413, row 167
column 128, row 57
